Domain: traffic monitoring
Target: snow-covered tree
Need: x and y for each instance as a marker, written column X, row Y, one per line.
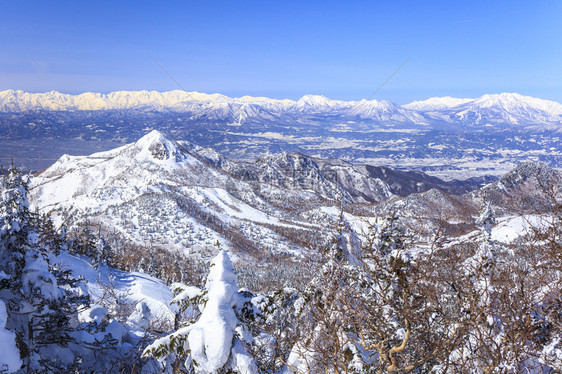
column 103, row 252
column 481, row 265
column 38, row 309
column 217, row 340
column 85, row 242
column 364, row 311
column 324, row 343
column 10, row 357
column 15, row 222
column 486, row 217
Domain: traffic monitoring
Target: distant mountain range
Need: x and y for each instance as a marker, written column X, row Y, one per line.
column 505, row 108
column 445, row 137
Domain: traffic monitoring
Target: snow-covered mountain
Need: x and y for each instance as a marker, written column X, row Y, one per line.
column 531, row 186
column 519, row 198
column 505, row 108
column 184, row 197
column 508, row 108
column 436, row 104
column 445, row 137
column 215, row 106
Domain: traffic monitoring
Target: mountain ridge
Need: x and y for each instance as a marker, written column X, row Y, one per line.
column 507, row 107
column 462, row 138
column 185, row 198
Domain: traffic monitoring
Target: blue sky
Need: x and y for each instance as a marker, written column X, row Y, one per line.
column 285, row 49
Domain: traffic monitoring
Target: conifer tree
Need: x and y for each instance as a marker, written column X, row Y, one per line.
column 38, row 310
column 216, row 341
column 85, row 242
column 103, row 252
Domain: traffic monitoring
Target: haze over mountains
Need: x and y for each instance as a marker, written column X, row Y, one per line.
column 445, row 137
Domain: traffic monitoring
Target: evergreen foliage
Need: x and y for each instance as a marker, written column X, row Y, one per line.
column 217, row 340
column 38, row 309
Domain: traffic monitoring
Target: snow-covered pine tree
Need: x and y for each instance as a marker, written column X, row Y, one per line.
column 479, row 308
column 38, row 310
column 482, row 263
column 84, row 242
column 15, row 221
column 216, row 341
column 103, row 252
column 486, row 217
column 383, row 291
column 50, row 238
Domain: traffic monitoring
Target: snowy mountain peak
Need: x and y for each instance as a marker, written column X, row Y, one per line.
column 528, row 170
column 511, row 108
column 314, row 100
column 504, row 99
column 152, row 137
column 157, row 146
column 505, row 96
column 516, row 102
column 503, row 108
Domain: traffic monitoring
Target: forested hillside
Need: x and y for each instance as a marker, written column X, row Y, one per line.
column 430, row 282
